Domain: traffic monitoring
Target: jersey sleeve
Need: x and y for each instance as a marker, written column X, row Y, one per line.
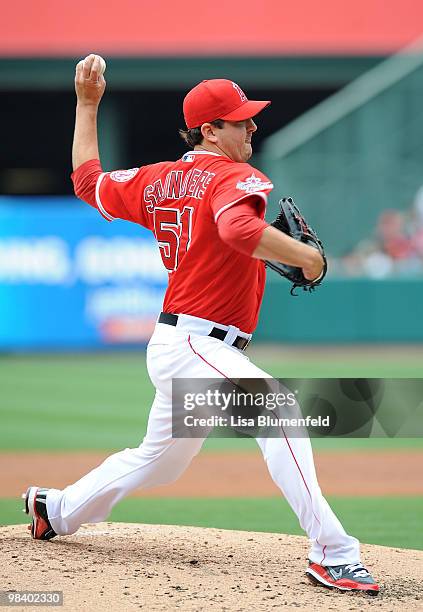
column 241, row 228
column 84, row 180
column 238, row 183
column 119, row 195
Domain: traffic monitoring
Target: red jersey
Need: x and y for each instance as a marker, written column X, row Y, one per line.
column 181, row 203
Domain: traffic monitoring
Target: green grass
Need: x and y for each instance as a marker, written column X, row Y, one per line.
column 390, row 366
column 74, row 401
column 389, row 521
column 101, row 401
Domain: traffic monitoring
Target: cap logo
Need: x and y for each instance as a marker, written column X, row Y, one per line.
column 240, row 92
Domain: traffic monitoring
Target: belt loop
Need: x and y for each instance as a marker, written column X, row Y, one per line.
column 231, row 334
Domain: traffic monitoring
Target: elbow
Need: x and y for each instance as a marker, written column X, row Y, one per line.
column 227, row 236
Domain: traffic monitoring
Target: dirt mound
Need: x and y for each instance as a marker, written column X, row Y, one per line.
column 120, row 566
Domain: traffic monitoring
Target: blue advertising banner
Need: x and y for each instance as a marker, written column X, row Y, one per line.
column 70, row 279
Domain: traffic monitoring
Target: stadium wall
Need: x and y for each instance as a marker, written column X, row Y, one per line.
column 344, row 311
column 69, row 280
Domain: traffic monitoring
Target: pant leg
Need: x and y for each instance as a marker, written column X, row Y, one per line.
column 160, row 459
column 290, row 462
column 291, row 466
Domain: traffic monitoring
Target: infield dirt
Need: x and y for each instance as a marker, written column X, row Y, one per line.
column 132, row 567
column 226, row 474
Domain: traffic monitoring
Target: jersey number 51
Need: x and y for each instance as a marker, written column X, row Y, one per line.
column 172, row 228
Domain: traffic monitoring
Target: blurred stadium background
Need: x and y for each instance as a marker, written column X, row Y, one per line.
column 79, row 296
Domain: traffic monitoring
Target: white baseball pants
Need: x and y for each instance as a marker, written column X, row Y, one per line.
column 186, row 351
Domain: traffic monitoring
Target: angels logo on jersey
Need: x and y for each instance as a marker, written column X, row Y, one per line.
column 121, row 176
column 253, row 183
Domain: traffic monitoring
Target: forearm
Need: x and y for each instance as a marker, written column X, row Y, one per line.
column 85, row 140
column 275, row 245
column 89, row 88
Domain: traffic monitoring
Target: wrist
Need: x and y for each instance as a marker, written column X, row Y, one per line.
column 87, row 107
column 313, row 259
column 313, row 268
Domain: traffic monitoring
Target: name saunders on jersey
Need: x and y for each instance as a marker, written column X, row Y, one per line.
column 177, row 185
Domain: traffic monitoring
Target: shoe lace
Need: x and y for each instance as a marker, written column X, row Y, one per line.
column 357, row 567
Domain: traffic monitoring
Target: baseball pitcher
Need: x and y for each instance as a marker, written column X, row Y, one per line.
column 206, row 211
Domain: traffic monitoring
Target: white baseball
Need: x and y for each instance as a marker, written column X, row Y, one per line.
column 102, row 63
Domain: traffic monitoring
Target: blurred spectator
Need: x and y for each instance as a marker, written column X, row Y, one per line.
column 392, row 236
column 396, row 249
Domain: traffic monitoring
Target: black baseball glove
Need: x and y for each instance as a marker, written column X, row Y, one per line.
column 291, row 222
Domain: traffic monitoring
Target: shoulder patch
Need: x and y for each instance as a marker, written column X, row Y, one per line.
column 121, row 176
column 253, row 183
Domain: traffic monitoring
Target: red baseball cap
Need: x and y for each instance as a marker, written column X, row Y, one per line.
column 219, row 99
